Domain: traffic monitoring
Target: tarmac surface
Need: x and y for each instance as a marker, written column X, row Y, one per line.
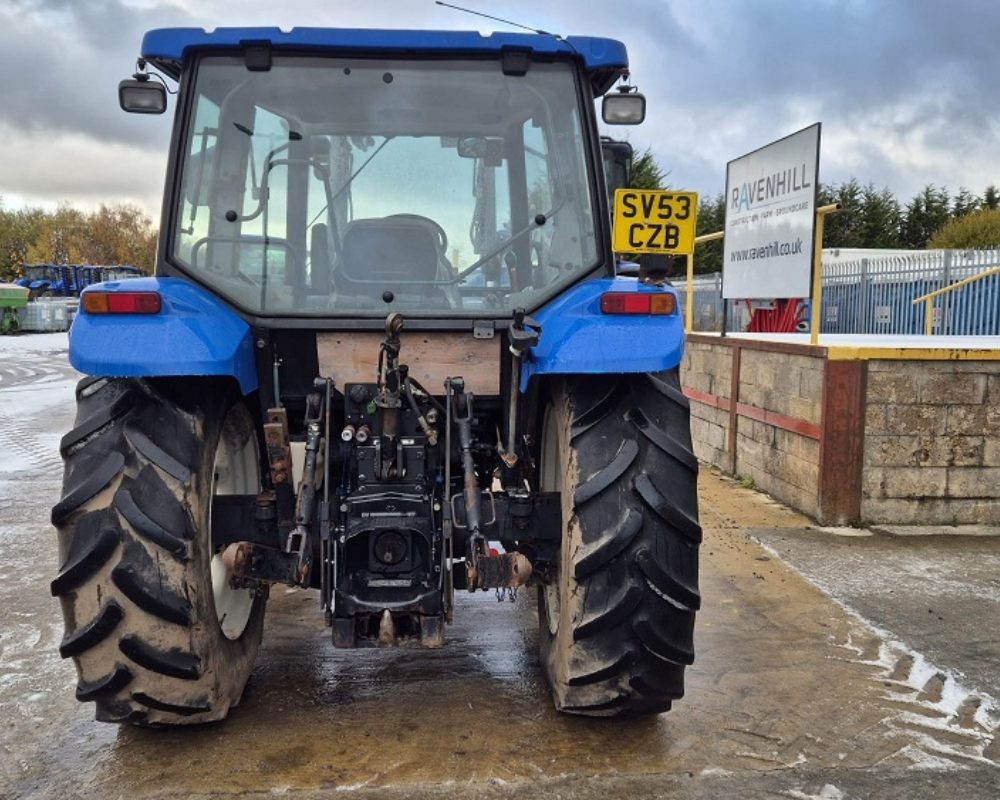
column 830, row 665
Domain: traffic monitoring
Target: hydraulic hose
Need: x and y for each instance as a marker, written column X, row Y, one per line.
column 429, row 432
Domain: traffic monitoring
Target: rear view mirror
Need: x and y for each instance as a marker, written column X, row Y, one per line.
column 319, row 151
column 142, row 97
column 490, row 150
column 624, row 108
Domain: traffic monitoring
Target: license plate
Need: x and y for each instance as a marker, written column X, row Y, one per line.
column 648, row 221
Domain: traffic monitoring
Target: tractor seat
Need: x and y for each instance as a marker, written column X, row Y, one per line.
column 388, row 253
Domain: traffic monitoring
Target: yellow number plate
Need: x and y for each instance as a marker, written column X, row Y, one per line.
column 654, row 221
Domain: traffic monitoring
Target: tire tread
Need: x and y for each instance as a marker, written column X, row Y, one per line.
column 635, row 563
column 595, row 555
column 110, row 684
column 79, row 568
column 163, row 603
column 94, row 480
column 149, row 651
column 599, row 481
column 94, row 632
column 175, row 663
column 147, row 527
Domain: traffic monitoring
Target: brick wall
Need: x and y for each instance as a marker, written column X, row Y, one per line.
column 932, row 443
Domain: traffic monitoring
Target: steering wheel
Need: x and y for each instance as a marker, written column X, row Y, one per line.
column 442, row 236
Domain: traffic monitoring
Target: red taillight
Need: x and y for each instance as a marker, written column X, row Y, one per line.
column 121, row 302
column 637, row 303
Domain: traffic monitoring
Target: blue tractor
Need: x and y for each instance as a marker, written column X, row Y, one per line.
column 385, row 333
column 117, row 272
column 68, row 280
column 90, row 274
column 49, row 280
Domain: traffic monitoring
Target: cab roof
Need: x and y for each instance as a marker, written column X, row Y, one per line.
column 604, row 59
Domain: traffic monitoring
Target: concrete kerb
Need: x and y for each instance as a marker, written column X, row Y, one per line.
column 936, row 530
column 910, row 530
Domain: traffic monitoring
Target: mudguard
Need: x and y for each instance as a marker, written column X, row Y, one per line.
column 578, row 339
column 194, row 334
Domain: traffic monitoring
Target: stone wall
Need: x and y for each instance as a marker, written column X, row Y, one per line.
column 784, row 463
column 849, row 441
column 777, row 391
column 932, row 443
column 707, row 371
column 791, row 385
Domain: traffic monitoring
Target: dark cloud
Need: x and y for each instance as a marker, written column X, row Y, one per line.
column 62, row 60
column 905, row 90
column 918, row 73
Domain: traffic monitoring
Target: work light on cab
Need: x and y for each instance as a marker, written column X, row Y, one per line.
column 627, row 107
column 121, row 302
column 635, row 303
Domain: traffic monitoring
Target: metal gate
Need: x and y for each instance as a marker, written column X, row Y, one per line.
column 874, row 295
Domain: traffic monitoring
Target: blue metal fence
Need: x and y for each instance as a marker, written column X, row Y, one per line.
column 874, row 295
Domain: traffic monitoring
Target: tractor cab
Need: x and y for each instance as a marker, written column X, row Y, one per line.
column 358, row 182
column 47, row 280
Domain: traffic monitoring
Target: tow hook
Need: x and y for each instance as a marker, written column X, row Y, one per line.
column 247, row 561
column 504, row 571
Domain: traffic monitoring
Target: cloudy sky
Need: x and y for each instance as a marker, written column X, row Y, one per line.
column 907, row 90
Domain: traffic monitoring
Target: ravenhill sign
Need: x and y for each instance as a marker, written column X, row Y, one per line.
column 771, row 218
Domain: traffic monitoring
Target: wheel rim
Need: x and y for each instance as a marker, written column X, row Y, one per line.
column 551, row 479
column 235, row 471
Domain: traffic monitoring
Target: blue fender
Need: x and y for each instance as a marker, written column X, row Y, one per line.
column 578, row 339
column 194, row 334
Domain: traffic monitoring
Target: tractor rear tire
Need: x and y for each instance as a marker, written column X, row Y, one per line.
column 616, row 625
column 157, row 633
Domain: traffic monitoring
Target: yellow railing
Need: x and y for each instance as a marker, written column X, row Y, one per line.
column 821, row 213
column 689, row 299
column 928, row 299
column 816, row 306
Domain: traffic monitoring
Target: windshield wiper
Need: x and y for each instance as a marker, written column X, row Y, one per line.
column 332, row 198
column 537, row 222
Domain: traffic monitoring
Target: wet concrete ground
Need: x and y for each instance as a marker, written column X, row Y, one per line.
column 792, row 695
column 938, row 595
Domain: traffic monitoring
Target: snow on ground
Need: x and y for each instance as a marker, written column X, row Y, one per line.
column 19, row 456
column 828, row 792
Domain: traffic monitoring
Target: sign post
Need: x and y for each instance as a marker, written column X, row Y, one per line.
column 689, row 300
column 817, row 288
